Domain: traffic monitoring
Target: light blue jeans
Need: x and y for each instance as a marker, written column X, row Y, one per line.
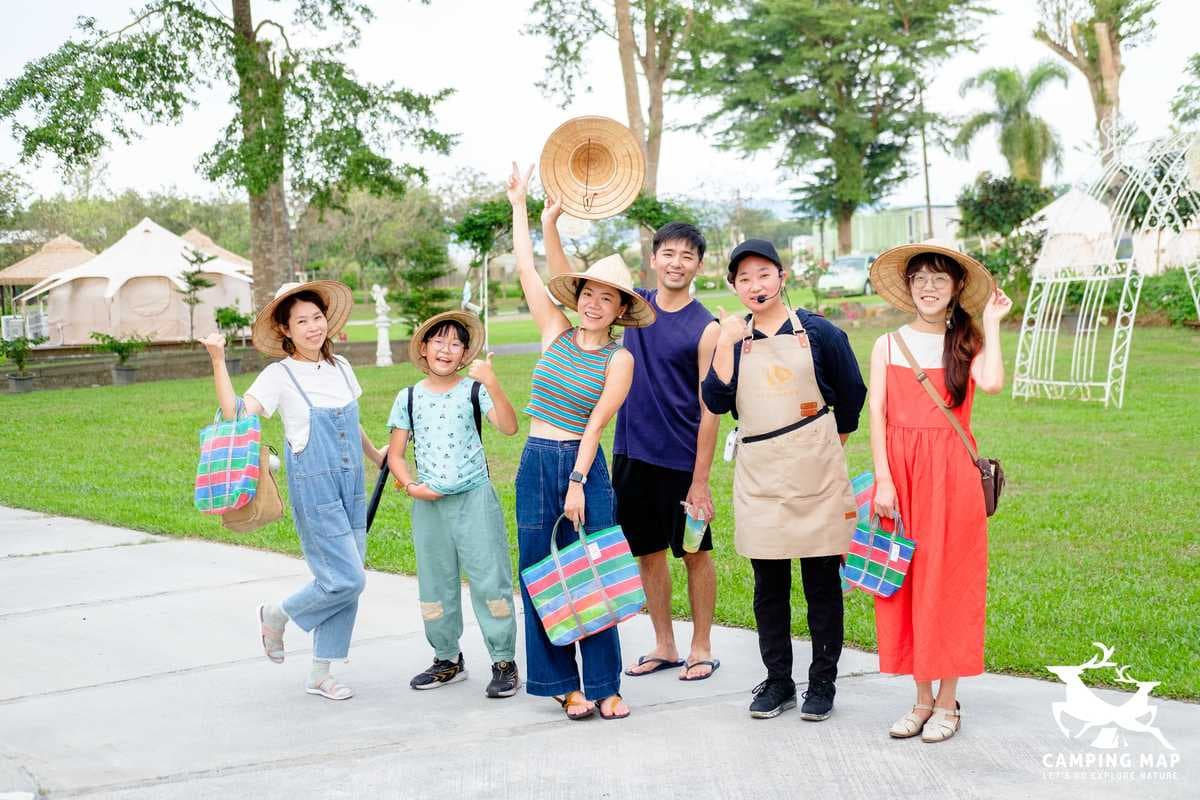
column 329, row 505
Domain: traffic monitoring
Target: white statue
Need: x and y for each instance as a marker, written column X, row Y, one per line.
column 378, row 295
column 383, row 347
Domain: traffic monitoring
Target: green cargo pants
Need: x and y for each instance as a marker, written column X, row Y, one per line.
column 465, row 533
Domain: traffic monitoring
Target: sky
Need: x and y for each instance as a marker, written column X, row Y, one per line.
column 477, row 48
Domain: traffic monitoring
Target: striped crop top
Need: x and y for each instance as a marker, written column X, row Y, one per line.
column 567, row 382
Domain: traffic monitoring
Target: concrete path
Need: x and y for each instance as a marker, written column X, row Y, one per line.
column 131, row 668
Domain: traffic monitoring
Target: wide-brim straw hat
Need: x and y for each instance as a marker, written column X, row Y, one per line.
column 267, row 337
column 595, row 164
column 466, row 319
column 610, row 271
column 890, row 282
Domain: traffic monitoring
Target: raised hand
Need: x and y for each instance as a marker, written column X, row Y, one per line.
column 998, row 306
column 733, row 328
column 518, row 184
column 482, row 371
column 552, row 210
column 214, row 343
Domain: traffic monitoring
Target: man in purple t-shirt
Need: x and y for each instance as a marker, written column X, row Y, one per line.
column 663, row 448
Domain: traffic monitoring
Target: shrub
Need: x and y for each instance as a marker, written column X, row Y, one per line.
column 121, row 348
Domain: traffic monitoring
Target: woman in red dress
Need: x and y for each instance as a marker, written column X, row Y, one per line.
column 932, row 628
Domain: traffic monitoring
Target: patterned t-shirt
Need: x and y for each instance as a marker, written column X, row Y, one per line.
column 450, row 458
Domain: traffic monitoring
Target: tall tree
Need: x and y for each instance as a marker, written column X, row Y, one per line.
column 297, row 110
column 1186, row 103
column 1027, row 141
column 1089, row 35
column 833, row 86
column 650, row 36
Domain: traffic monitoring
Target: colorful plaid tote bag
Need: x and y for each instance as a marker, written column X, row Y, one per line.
column 586, row 587
column 863, row 486
column 227, row 475
column 878, row 560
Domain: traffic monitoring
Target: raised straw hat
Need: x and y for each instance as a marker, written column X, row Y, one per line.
column 889, row 280
column 595, row 165
column 267, row 337
column 610, row 271
column 466, row 319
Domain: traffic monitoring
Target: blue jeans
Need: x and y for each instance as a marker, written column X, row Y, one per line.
column 542, row 482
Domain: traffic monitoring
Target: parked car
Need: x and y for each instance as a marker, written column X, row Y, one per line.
column 848, row 275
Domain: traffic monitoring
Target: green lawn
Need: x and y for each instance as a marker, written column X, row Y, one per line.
column 1096, row 538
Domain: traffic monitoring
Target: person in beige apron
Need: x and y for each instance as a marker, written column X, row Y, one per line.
column 794, row 384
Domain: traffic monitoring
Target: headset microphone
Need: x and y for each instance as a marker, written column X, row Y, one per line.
column 762, row 298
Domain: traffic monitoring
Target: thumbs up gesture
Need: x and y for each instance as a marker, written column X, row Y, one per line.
column 733, row 328
column 481, row 370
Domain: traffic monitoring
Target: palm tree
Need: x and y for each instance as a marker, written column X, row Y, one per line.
column 1027, row 141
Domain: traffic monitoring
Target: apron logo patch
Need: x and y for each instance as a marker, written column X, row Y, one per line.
column 808, row 409
column 777, row 375
column 851, row 515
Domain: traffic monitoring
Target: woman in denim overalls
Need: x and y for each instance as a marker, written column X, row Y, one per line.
column 316, row 394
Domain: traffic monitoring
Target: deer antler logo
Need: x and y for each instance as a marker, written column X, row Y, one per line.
column 1083, row 704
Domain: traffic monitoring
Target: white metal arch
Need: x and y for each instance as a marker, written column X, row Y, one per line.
column 1155, row 173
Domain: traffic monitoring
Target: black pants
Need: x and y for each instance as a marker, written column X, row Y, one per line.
column 773, row 614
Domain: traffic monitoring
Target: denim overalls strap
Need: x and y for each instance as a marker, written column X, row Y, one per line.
column 300, row 389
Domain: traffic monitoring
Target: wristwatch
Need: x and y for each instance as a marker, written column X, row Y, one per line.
column 578, row 477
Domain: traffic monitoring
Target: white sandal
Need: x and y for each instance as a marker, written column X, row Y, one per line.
column 331, row 689
column 272, row 638
column 910, row 724
column 939, row 728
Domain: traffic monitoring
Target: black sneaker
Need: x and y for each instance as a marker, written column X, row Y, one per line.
column 505, row 679
column 818, row 701
column 440, row 674
column 773, row 698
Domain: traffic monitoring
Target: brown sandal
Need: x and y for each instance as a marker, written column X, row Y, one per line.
column 614, row 715
column 566, row 701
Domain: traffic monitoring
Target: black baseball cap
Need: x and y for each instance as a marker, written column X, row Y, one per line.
column 752, row 247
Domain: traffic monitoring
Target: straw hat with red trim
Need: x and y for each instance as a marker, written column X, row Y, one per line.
column 610, row 271
column 339, row 300
column 889, row 280
column 467, row 320
column 595, row 165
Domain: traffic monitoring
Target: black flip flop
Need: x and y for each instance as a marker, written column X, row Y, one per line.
column 714, row 663
column 663, row 663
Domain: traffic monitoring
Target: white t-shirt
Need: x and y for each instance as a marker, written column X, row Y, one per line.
column 926, row 348
column 322, row 382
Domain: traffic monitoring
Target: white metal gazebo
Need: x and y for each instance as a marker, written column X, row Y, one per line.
column 1142, row 188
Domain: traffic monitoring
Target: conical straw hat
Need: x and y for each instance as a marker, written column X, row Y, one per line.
column 466, row 319
column 889, row 281
column 339, row 300
column 595, row 165
column 611, row 271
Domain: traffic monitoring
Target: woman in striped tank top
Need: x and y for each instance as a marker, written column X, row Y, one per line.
column 579, row 383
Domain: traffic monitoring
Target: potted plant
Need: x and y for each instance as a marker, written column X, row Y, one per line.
column 232, row 323
column 123, row 372
column 17, row 351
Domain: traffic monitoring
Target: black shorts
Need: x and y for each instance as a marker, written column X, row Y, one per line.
column 649, row 506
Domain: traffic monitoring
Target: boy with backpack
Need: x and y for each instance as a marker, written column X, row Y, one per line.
column 458, row 524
